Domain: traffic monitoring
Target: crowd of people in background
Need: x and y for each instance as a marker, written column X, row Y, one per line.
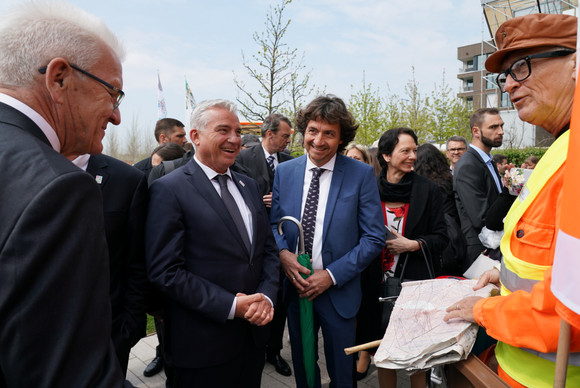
column 89, row 244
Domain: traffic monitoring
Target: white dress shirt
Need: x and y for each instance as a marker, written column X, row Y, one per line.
column 325, row 180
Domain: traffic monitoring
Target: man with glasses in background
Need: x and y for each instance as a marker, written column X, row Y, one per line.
column 60, row 86
column 455, row 148
column 536, row 62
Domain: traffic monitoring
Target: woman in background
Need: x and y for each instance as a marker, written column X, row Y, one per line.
column 358, row 152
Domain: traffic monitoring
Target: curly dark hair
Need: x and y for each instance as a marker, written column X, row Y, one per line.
column 432, row 164
column 333, row 110
column 389, row 141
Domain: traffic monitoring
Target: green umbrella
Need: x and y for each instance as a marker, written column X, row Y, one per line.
column 306, row 314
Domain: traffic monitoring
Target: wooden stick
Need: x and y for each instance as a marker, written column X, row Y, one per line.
column 562, row 354
column 358, row 348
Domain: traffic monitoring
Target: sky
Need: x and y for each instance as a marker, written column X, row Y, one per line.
column 203, row 41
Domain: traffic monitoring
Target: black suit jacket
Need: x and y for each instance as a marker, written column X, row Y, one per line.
column 125, row 195
column 144, row 166
column 197, row 258
column 475, row 191
column 55, row 315
column 252, row 162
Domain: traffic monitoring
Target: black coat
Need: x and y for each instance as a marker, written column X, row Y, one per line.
column 55, row 314
column 124, row 191
column 424, row 220
column 252, row 162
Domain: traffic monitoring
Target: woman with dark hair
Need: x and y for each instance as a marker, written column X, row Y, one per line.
column 167, row 151
column 432, row 164
column 411, row 205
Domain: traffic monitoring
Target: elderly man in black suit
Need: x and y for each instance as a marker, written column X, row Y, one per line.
column 209, row 249
column 260, row 162
column 124, row 191
column 476, row 180
column 60, row 86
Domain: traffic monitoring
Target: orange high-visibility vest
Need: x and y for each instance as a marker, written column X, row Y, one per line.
column 524, row 320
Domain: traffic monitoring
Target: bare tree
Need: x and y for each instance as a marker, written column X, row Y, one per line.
column 112, row 145
column 275, row 69
column 135, row 150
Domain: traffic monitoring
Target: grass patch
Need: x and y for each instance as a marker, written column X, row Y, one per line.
column 150, row 325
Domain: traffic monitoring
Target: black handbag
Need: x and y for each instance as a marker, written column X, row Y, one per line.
column 390, row 289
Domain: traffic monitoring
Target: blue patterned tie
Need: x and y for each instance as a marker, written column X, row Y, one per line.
column 270, row 161
column 233, row 209
column 310, row 209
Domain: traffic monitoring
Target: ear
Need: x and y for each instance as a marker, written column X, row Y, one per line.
column 194, row 135
column 386, row 157
column 57, row 79
column 475, row 132
column 163, row 138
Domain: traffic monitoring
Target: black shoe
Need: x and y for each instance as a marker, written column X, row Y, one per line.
column 362, row 375
column 281, row 366
column 154, row 367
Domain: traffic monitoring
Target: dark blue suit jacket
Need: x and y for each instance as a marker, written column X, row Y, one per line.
column 196, row 257
column 353, row 233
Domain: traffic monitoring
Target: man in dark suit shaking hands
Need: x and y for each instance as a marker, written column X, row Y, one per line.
column 336, row 198
column 210, row 250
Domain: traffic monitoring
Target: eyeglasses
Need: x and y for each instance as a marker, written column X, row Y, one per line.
column 118, row 94
column 521, row 69
column 456, row 149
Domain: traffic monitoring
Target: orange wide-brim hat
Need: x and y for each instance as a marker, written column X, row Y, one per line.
column 531, row 31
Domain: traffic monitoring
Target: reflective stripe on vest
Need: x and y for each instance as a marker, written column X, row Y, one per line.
column 530, row 370
column 528, row 367
column 512, row 282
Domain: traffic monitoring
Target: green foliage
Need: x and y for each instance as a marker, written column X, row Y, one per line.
column 517, row 156
column 368, row 108
column 447, row 115
column 434, row 119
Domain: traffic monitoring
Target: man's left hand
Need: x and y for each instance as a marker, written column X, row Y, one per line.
column 318, row 282
column 260, row 312
column 462, row 309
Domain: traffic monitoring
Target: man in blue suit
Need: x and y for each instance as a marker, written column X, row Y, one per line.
column 344, row 232
column 210, row 251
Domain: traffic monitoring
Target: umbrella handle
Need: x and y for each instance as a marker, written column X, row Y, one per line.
column 358, row 348
column 300, row 231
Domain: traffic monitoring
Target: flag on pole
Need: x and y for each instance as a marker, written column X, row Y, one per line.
column 565, row 284
column 161, row 108
column 189, row 102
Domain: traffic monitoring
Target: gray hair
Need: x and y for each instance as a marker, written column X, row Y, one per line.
column 34, row 33
column 199, row 117
column 457, row 139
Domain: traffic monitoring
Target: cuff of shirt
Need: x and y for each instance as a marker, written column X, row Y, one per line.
column 331, row 276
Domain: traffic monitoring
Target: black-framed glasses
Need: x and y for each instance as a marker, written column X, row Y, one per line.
column 521, row 69
column 118, row 94
column 456, row 149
